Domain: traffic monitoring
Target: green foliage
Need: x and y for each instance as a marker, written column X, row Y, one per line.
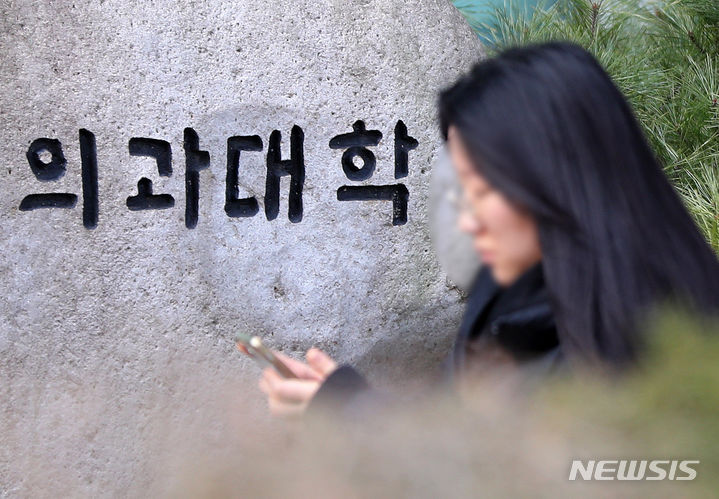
column 664, row 56
column 481, row 14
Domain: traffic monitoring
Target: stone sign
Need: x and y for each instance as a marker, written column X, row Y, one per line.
column 175, row 172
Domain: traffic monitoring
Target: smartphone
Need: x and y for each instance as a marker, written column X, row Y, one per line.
column 253, row 346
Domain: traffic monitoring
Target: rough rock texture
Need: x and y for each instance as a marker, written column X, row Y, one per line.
column 110, row 336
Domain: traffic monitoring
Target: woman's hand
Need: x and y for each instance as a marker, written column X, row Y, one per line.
column 290, row 397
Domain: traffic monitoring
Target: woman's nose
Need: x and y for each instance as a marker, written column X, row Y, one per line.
column 467, row 222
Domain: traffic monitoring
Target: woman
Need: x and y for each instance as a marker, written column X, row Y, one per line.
column 579, row 230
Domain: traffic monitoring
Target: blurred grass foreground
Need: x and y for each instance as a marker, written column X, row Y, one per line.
column 491, row 444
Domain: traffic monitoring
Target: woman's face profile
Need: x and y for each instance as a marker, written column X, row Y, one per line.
column 505, row 237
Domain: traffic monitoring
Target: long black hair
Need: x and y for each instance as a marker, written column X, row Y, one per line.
column 547, row 127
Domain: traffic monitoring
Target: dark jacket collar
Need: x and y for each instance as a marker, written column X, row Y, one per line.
column 521, row 318
column 518, row 316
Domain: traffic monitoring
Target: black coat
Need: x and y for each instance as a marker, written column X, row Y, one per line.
column 516, row 321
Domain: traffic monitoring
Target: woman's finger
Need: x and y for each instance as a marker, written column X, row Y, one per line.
column 270, row 378
column 296, row 390
column 320, row 362
column 302, row 370
column 288, row 390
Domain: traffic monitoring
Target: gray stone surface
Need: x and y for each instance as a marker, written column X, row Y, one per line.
column 116, row 342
